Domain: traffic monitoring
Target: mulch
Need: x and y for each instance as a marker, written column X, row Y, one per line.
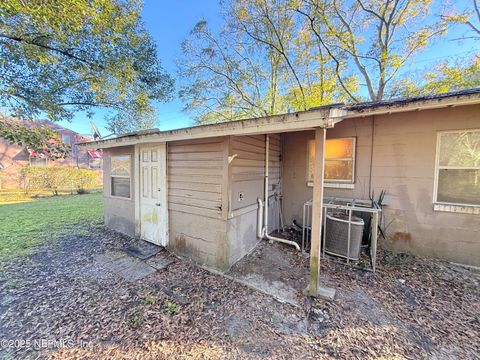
column 426, row 309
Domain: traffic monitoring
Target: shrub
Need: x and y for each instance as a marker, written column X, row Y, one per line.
column 58, row 178
column 84, row 180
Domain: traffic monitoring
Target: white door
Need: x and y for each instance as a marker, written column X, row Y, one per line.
column 153, row 191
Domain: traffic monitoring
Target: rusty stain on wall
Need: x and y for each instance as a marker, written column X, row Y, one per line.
column 402, row 236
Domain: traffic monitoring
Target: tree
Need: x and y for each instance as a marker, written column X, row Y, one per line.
column 444, row 77
column 262, row 62
column 60, row 57
column 42, row 141
column 470, row 17
column 373, row 38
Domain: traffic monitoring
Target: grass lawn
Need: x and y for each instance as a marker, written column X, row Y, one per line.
column 29, row 222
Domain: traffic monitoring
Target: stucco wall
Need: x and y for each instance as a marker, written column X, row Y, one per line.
column 403, row 164
column 119, row 212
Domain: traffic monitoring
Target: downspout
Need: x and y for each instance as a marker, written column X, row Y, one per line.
column 265, row 214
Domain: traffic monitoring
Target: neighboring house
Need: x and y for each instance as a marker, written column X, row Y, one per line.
column 196, row 190
column 14, row 157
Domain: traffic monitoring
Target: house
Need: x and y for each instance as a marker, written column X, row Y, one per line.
column 199, row 190
column 15, row 157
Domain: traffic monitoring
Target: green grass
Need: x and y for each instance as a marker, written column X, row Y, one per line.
column 19, row 196
column 24, row 225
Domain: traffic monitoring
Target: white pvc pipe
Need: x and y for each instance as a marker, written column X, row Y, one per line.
column 260, row 219
column 265, row 220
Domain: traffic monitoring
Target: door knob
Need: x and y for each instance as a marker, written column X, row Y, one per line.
column 158, row 204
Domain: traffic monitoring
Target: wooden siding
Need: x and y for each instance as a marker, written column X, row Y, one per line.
column 195, row 177
column 247, row 171
column 196, row 200
column 248, row 168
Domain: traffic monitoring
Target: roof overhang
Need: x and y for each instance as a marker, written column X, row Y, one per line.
column 324, row 117
column 303, row 120
column 404, row 105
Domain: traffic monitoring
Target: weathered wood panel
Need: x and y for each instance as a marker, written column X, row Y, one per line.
column 248, row 168
column 195, row 176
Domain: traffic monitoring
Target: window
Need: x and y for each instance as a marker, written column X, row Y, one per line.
column 66, row 139
column 38, row 161
column 457, row 170
column 339, row 160
column 120, row 168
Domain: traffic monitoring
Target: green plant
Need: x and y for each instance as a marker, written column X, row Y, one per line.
column 26, row 224
column 56, row 178
column 171, row 308
column 136, row 319
column 84, row 180
column 149, row 300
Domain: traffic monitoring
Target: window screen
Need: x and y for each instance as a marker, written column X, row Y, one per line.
column 458, row 167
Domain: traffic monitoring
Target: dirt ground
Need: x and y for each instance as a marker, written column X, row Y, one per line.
column 411, row 308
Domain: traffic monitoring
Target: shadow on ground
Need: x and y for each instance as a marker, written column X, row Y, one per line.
column 67, row 291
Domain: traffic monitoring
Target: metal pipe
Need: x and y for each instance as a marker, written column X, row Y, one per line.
column 324, row 214
column 304, row 227
column 265, row 220
column 267, row 166
column 349, row 234
column 260, row 219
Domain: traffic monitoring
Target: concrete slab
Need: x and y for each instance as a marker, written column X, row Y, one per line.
column 275, row 269
column 124, row 265
column 159, row 262
column 326, row 293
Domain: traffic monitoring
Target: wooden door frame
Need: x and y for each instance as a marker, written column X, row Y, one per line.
column 163, row 182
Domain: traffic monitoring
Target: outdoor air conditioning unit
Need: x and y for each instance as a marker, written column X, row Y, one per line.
column 336, row 235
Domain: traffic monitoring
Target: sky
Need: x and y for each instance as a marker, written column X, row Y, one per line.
column 170, row 22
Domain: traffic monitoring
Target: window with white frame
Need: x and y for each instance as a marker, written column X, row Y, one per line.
column 457, row 170
column 120, row 169
column 339, row 160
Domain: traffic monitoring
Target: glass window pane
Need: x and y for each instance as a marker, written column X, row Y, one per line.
column 459, row 186
column 460, row 149
column 121, row 187
column 339, row 170
column 66, row 139
column 339, row 148
column 120, row 165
